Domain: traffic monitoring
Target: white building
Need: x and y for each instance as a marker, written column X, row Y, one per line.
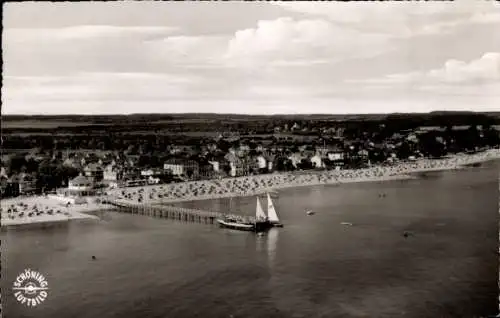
column 316, row 161
column 182, row 167
column 147, row 172
column 78, row 187
column 232, row 170
column 153, row 180
column 261, row 162
column 80, row 183
column 295, row 158
column 175, row 168
column 270, row 165
column 334, row 156
column 215, row 165
column 110, row 173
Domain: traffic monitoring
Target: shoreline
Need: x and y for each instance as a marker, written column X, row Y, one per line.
column 45, row 211
column 223, row 188
column 260, row 184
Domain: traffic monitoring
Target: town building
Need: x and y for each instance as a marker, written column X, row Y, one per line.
column 27, row 184
column 80, row 186
column 8, row 187
column 295, row 159
column 112, row 173
column 261, row 162
column 94, row 172
column 336, row 158
column 183, row 168
column 316, row 161
column 151, row 172
column 238, row 166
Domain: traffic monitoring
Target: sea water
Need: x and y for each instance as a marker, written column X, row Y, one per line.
column 313, row 267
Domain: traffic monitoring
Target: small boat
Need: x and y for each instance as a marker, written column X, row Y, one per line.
column 310, row 212
column 408, row 233
column 346, row 223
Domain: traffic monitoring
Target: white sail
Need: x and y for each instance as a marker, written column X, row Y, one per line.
column 259, row 212
column 271, row 211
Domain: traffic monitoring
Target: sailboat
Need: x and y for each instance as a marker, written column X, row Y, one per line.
column 272, row 216
column 261, row 222
column 235, row 223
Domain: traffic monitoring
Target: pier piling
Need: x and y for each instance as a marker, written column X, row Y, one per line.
column 169, row 212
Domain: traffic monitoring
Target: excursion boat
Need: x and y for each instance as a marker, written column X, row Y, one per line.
column 262, row 221
column 235, row 224
column 239, row 223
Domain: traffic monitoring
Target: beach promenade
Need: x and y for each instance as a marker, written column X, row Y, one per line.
column 258, row 184
column 41, row 209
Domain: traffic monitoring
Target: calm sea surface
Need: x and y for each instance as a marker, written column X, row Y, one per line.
column 313, row 267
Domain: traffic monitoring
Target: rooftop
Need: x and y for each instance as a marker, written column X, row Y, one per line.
column 80, row 180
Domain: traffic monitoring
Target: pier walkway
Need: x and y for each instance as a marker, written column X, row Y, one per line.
column 173, row 212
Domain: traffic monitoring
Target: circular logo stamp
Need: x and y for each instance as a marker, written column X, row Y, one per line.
column 30, row 288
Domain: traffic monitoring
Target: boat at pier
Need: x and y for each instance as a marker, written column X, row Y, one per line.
column 262, row 221
column 243, row 224
column 235, row 224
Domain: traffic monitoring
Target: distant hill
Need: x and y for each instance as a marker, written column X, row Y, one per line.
column 177, row 116
column 164, row 121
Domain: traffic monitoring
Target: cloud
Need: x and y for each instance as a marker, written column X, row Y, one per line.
column 190, row 51
column 484, row 69
column 287, row 40
column 82, row 32
column 298, row 57
column 63, row 51
column 400, row 20
column 96, row 86
column 486, row 17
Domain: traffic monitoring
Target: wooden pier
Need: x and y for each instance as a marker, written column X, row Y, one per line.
column 173, row 212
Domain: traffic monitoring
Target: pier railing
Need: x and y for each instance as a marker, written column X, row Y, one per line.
column 173, row 212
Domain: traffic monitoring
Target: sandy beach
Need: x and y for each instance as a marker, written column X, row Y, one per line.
column 42, row 209
column 252, row 185
column 47, row 209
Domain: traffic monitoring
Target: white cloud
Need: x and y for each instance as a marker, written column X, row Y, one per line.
column 82, row 32
column 96, row 86
column 486, row 17
column 285, row 40
column 485, row 68
column 194, row 51
column 62, row 51
column 401, row 19
column 347, row 12
column 263, row 64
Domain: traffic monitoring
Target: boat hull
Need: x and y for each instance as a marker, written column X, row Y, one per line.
column 262, row 226
column 236, row 226
column 255, row 227
column 276, row 225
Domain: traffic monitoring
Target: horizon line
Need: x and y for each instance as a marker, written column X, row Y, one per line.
column 255, row 115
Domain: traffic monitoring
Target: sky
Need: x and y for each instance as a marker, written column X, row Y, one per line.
column 250, row 58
